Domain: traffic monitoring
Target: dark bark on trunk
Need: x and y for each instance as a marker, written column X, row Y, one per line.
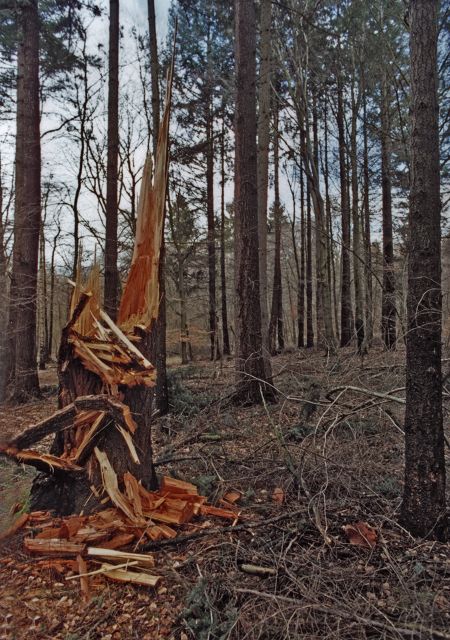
column 3, row 301
column 52, row 293
column 250, row 365
column 43, row 346
column 211, row 233
column 346, row 301
column 111, row 272
column 276, row 314
column 223, row 280
column 357, row 246
column 331, row 271
column 367, row 232
column 27, row 219
column 264, row 92
column 309, row 283
column 154, row 73
column 388, row 311
column 321, row 341
column 301, row 283
column 424, row 508
column 158, row 336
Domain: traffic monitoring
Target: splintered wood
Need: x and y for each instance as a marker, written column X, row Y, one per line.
column 95, row 539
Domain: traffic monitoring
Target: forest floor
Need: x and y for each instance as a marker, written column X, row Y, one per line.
column 325, row 456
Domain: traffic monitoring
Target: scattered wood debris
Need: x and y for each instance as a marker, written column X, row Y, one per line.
column 130, row 523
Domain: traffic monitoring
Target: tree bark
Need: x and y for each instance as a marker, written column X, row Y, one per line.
column 23, row 294
column 331, row 270
column 301, row 283
column 263, row 161
column 388, row 311
column 276, row 314
column 3, row 301
column 250, row 366
column 367, row 231
column 357, row 247
column 309, row 283
column 223, row 281
column 154, row 73
column 158, row 336
column 111, row 272
column 423, row 510
column 211, row 238
column 346, row 301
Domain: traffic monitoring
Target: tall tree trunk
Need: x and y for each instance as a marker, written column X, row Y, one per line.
column 42, row 302
column 154, row 73
column 331, row 270
column 264, row 91
column 250, row 366
column 276, row 314
column 301, row 283
column 27, row 208
column 424, row 507
column 158, row 335
column 357, row 247
column 309, row 283
column 111, row 272
column 346, row 299
column 183, row 312
column 367, row 231
column 211, row 231
column 388, row 310
column 223, row 280
column 52, row 293
column 311, row 158
column 321, row 341
column 3, row 301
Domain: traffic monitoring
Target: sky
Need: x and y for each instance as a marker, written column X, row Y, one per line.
column 136, row 11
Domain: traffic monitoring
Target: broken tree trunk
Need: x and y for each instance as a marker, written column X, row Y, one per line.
column 105, row 376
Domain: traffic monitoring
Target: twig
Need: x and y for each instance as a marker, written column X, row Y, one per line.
column 409, row 630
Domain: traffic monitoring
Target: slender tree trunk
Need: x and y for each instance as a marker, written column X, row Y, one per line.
column 158, row 335
column 309, row 283
column 3, row 301
column 83, row 114
column 301, row 283
column 357, row 247
column 264, row 91
column 250, row 365
column 424, row 506
column 318, row 233
column 211, row 232
column 223, row 280
column 388, row 310
column 367, row 232
column 276, row 314
column 52, row 293
column 154, row 73
column 183, row 312
column 111, row 272
column 28, row 208
column 43, row 342
column 346, row 299
column 331, row 271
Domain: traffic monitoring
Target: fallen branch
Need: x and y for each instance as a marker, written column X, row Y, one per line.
column 151, row 546
column 56, row 422
column 369, row 392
